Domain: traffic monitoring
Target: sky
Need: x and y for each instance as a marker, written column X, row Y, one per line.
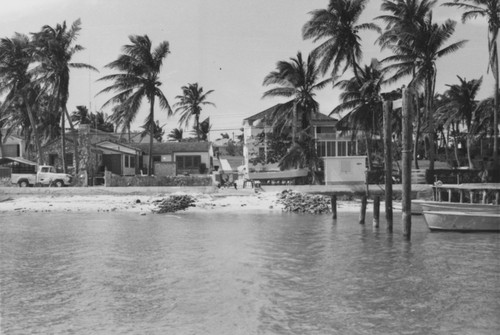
column 228, row 46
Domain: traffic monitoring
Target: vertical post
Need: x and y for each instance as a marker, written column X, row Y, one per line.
column 362, row 214
column 407, row 143
column 376, row 211
column 388, row 162
column 334, row 206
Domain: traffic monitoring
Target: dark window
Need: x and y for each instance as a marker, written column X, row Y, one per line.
column 126, row 161
column 342, row 148
column 68, row 158
column 321, row 149
column 132, row 161
column 188, row 162
column 52, row 159
column 156, row 159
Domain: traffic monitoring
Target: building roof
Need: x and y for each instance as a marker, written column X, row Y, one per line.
column 167, row 148
column 317, row 118
column 21, row 160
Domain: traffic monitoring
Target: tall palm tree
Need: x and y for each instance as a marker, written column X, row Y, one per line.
column 405, row 16
column 139, row 70
column 299, row 81
column 416, row 55
column 461, row 105
column 361, row 98
column 337, row 28
column 190, row 104
column 53, row 49
column 489, row 9
column 81, row 116
column 203, row 130
column 176, row 135
column 16, row 82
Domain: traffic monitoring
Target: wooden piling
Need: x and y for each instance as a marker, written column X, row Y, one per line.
column 362, row 214
column 376, row 211
column 406, row 168
column 388, row 163
column 334, row 206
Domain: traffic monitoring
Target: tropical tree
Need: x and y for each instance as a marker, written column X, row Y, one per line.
column 175, row 135
column 460, row 106
column 81, row 116
column 337, row 28
column 157, row 131
column 416, row 54
column 405, row 17
column 139, row 69
column 53, row 50
column 203, row 130
column 16, row 83
column 190, row 104
column 362, row 100
column 299, row 80
column 489, row 9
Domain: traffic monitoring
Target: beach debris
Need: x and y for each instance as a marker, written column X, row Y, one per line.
column 174, row 203
column 297, row 202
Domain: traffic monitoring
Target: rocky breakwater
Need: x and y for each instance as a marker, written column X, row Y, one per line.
column 297, row 202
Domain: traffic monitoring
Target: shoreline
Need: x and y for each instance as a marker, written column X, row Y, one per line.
column 244, row 201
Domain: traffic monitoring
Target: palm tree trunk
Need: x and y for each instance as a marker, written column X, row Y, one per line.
column 63, row 142
column 35, row 130
column 294, row 123
column 368, row 151
column 197, row 122
column 430, row 122
column 417, row 131
column 75, row 142
column 151, row 133
column 495, row 111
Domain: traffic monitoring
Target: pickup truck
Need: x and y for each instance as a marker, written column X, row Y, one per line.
column 45, row 175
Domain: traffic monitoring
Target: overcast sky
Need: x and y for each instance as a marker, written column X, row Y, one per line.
column 225, row 45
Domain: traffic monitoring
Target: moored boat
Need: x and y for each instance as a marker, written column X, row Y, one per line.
column 456, row 206
column 465, row 221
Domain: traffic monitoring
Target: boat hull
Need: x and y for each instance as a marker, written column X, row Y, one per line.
column 462, row 221
column 437, row 206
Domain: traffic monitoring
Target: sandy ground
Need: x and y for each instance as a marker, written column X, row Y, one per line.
column 145, row 204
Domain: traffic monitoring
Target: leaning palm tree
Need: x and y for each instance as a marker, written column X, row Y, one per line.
column 461, row 106
column 416, row 55
column 489, row 9
column 190, row 104
column 53, row 49
column 337, row 28
column 16, row 83
column 139, row 70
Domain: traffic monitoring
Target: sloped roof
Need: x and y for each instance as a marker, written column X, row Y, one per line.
column 21, row 160
column 167, row 148
column 317, row 118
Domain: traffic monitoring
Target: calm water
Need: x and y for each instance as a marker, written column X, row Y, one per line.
column 240, row 274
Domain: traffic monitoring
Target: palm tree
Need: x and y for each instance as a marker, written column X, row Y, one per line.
column 138, row 78
column 175, row 135
column 406, row 16
column 203, row 130
column 54, row 48
column 416, row 54
column 461, row 106
column 299, row 81
column 16, row 82
column 489, row 9
column 158, row 131
column 337, row 26
column 81, row 116
column 361, row 97
column 190, row 104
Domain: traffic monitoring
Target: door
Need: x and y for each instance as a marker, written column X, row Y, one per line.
column 113, row 163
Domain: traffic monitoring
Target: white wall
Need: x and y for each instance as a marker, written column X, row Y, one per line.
column 345, row 170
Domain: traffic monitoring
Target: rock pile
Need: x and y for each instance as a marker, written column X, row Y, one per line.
column 174, row 203
column 304, row 203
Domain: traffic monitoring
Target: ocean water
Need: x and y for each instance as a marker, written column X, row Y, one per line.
column 187, row 273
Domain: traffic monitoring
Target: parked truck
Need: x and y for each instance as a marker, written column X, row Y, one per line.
column 26, row 173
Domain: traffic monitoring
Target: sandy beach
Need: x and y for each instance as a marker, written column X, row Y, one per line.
column 144, row 204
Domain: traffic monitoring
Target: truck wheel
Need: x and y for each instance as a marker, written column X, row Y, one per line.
column 23, row 183
column 59, row 183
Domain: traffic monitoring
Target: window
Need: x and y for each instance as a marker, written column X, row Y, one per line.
column 132, row 161
column 342, row 148
column 188, row 162
column 68, row 159
column 126, row 161
column 156, row 159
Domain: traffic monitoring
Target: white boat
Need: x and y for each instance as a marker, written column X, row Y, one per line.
column 465, row 221
column 438, row 206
